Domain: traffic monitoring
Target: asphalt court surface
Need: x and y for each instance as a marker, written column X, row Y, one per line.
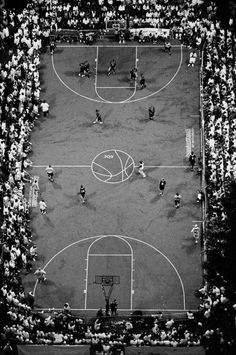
column 131, row 208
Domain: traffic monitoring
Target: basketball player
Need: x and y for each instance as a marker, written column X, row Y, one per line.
column 133, row 74
column 151, row 112
column 98, row 118
column 50, row 172
column 141, row 169
column 142, row 82
column 82, row 193
column 177, row 200
column 162, row 186
column 112, row 67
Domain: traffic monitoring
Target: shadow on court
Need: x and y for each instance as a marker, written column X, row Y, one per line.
column 47, row 219
column 70, row 73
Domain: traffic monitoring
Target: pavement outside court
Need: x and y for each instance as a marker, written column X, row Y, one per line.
column 133, row 208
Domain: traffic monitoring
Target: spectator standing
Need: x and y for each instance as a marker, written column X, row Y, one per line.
column 31, row 299
column 192, row 58
column 52, row 47
column 113, row 307
column 162, row 185
column 177, row 199
column 45, row 108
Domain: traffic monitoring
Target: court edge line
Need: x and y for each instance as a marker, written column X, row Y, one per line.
column 117, row 46
column 114, row 235
column 120, row 309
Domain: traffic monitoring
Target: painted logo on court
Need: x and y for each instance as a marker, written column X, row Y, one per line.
column 113, row 166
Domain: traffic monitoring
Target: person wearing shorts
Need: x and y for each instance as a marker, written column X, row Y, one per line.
column 82, row 193
column 112, row 67
column 177, row 199
column 162, row 185
column 98, row 118
column 42, row 206
column 151, row 112
column 141, row 169
column 50, row 171
column 142, row 82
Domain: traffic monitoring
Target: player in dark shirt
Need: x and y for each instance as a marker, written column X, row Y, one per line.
column 112, row 67
column 133, row 74
column 142, row 82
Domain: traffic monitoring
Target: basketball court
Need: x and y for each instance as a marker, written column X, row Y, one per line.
column 126, row 239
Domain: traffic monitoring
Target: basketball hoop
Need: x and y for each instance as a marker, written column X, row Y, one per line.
column 107, row 281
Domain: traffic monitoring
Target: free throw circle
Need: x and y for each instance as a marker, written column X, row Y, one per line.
column 113, row 166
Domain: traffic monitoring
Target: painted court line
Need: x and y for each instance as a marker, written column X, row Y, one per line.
column 120, row 309
column 118, row 46
column 110, row 254
column 62, row 166
column 125, row 239
column 136, row 166
column 128, row 100
column 115, row 87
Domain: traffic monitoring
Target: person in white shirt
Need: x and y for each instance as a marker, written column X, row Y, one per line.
column 42, row 206
column 141, row 169
column 50, row 171
column 45, row 108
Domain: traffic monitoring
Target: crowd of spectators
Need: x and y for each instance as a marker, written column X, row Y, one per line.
column 23, row 36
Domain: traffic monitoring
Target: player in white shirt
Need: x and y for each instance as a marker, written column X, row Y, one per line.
column 42, row 206
column 50, row 171
column 141, row 168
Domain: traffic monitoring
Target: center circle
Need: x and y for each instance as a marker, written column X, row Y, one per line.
column 113, row 166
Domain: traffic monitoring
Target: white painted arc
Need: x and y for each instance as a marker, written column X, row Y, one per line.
column 124, row 237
